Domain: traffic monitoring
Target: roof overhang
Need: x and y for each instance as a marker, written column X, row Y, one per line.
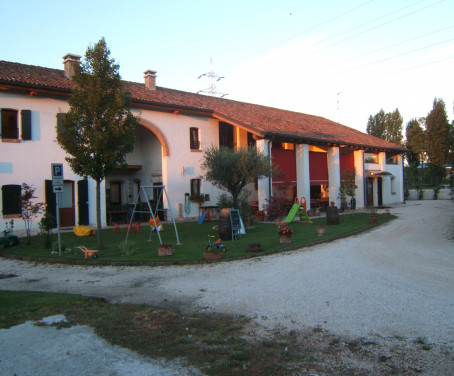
column 379, row 173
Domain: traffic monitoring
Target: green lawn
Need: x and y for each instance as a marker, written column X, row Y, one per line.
column 193, row 238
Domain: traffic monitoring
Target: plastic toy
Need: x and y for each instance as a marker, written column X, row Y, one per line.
column 215, row 246
column 89, row 253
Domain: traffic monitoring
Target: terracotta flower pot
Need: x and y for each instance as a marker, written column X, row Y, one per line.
column 372, row 219
column 212, row 255
column 165, row 250
column 225, row 212
column 285, row 239
column 321, row 230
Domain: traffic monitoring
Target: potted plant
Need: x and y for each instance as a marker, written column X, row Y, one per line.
column 321, row 230
column 373, row 215
column 285, row 234
column 260, row 214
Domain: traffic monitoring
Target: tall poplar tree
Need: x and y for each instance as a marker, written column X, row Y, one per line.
column 387, row 126
column 437, row 132
column 98, row 130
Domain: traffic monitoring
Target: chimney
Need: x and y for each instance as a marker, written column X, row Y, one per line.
column 68, row 61
column 150, row 79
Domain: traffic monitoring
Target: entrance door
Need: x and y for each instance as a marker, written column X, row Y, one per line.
column 370, row 191
column 67, row 205
column 380, row 191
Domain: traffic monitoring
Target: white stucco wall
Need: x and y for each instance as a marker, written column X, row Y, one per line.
column 30, row 161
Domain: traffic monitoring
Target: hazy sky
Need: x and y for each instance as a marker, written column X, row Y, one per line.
column 343, row 60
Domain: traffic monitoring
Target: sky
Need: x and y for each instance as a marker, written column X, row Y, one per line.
column 342, row 60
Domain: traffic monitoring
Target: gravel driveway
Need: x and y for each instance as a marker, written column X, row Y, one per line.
column 397, row 280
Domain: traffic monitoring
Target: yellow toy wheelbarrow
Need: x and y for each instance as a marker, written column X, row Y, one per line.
column 89, row 253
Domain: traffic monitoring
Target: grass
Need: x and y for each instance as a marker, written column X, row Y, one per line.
column 217, row 345
column 193, row 238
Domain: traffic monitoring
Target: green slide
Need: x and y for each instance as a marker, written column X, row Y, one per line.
column 292, row 213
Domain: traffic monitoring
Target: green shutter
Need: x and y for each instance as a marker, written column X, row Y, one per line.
column 60, row 123
column 11, row 199
column 26, row 116
column 51, row 202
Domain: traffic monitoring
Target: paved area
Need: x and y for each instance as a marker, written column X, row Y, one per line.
column 396, row 280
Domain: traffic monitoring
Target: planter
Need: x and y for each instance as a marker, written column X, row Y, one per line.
column 285, row 239
column 321, row 230
column 254, row 247
column 212, row 255
column 225, row 212
column 165, row 250
column 372, row 219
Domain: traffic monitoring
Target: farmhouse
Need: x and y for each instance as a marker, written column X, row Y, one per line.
column 175, row 128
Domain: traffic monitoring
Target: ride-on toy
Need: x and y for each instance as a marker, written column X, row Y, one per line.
column 215, row 246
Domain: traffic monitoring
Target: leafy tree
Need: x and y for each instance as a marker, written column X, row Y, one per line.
column 29, row 209
column 232, row 169
column 387, row 126
column 98, row 130
column 437, row 133
column 348, row 187
column 416, row 141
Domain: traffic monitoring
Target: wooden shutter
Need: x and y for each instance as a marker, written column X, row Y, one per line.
column 60, row 123
column 26, row 117
column 51, row 203
column 82, row 203
column 11, row 199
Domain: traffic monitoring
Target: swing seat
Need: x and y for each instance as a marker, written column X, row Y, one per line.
column 89, row 253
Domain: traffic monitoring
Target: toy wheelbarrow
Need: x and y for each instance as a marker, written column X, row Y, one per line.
column 89, row 253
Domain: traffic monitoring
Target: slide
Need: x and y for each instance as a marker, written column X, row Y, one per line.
column 292, row 213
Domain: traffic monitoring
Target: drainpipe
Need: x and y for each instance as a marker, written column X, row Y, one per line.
column 271, row 165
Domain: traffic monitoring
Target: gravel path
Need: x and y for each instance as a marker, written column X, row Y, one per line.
column 396, row 280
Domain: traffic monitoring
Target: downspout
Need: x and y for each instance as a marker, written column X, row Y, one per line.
column 403, row 176
column 271, row 165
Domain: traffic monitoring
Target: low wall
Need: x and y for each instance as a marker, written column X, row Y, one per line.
column 428, row 194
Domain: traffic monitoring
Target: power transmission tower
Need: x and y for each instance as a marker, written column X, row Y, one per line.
column 211, row 90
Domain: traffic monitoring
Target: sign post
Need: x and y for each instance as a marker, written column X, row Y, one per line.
column 57, row 187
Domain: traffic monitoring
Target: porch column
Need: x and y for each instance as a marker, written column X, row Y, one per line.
column 303, row 182
column 264, row 185
column 360, row 178
column 334, row 177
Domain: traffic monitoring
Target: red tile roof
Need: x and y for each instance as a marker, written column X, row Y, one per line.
column 267, row 122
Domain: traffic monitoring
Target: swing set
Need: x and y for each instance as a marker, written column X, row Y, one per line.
column 154, row 218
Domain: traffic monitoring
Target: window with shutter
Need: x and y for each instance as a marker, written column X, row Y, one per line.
column 11, row 199
column 9, row 124
column 26, row 120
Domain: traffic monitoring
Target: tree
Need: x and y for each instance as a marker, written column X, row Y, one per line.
column 98, row 130
column 29, row 209
column 416, row 141
column 232, row 169
column 387, row 126
column 438, row 139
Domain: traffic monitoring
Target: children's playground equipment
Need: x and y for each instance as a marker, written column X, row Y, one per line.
column 161, row 189
column 215, row 246
column 89, row 253
column 299, row 207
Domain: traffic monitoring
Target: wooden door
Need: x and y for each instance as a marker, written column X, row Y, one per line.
column 67, row 205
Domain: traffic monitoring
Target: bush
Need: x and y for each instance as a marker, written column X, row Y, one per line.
column 276, row 207
column 46, row 225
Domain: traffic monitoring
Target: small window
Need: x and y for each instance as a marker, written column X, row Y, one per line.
column 115, row 193
column 26, row 124
column 370, row 158
column 11, row 200
column 9, row 125
column 393, row 185
column 194, row 141
column 392, row 158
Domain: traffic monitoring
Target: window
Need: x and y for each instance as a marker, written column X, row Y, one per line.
column 370, row 158
column 226, row 135
column 393, row 185
column 195, row 187
column 10, row 126
column 392, row 158
column 194, row 141
column 60, row 123
column 11, row 200
column 115, row 193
